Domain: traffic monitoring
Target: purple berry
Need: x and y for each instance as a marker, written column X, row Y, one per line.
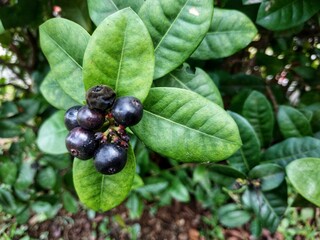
column 127, row 111
column 110, row 158
column 91, row 119
column 70, row 117
column 81, row 143
column 100, row 97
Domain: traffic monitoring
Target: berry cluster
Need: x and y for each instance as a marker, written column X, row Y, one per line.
column 97, row 130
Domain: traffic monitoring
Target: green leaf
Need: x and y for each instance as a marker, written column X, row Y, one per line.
column 120, row 55
column 52, row 134
column 69, row 202
column 28, row 108
column 268, row 206
column 230, row 215
column 9, row 129
column 248, row 155
column 7, row 201
column 184, row 126
column 270, row 174
column 229, row 28
column 8, row 172
column 76, row 11
column 291, row 149
column 102, row 192
column 63, row 43
column 61, row 161
column 54, row 94
column 135, row 206
column 47, row 178
column 304, row 175
column 177, row 28
column 179, row 191
column 2, row 30
column 100, row 9
column 285, row 14
column 225, row 175
column 293, row 123
column 8, row 109
column 258, row 111
column 249, row 2
column 26, row 176
column 198, row 81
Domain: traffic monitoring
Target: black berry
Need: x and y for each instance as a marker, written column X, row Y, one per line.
column 100, row 97
column 110, row 158
column 91, row 119
column 70, row 117
column 127, row 111
column 81, row 143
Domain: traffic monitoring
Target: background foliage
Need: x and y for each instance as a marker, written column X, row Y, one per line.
column 257, row 59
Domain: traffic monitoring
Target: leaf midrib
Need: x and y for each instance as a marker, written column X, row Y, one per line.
column 63, row 50
column 192, row 129
column 167, row 32
column 121, row 58
column 286, row 157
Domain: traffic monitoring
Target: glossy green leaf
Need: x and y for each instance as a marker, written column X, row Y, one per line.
column 102, row 192
column 198, row 81
column 8, row 109
column 8, row 172
column 224, row 175
column 315, row 120
column 2, row 30
column 177, row 28
column 258, row 111
column 135, row 206
column 69, row 202
column 63, row 43
column 304, row 175
column 52, row 134
column 9, row 129
column 229, row 32
column 60, row 161
column 230, row 215
column 285, row 14
column 120, row 55
column 191, row 128
column 268, row 206
column 248, row 155
column 28, row 108
column 26, row 176
column 271, row 175
column 47, row 178
column 293, row 123
column 291, row 149
column 249, row 2
column 54, row 94
column 179, row 191
column 7, row 201
column 100, row 9
column 76, row 11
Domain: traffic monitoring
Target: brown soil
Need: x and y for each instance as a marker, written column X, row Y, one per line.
column 176, row 222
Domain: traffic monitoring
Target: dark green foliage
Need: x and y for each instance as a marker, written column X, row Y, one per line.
column 168, row 70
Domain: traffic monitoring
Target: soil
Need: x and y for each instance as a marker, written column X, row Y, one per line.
column 176, row 222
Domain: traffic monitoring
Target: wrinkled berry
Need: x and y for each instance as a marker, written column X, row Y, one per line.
column 127, row 111
column 91, row 119
column 70, row 117
column 100, row 97
column 81, row 143
column 110, row 158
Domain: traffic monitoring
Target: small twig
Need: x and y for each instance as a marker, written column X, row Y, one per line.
column 14, row 85
column 272, row 98
column 34, row 47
